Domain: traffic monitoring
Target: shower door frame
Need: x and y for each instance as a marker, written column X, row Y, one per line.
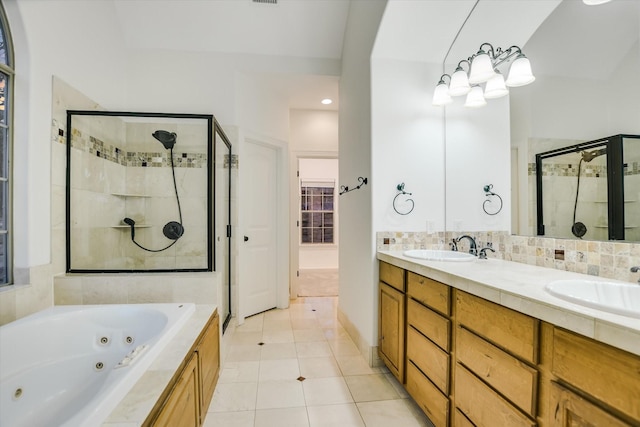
column 615, row 181
column 217, row 130
column 210, row 120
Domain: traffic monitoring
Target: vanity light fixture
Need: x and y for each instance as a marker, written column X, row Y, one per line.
column 483, row 69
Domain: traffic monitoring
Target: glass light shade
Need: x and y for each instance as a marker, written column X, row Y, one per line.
column 595, row 2
column 441, row 95
column 495, row 87
column 459, row 83
column 475, row 98
column 481, row 69
column 520, row 73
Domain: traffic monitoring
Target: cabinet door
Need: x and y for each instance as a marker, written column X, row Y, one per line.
column 391, row 327
column 570, row 410
column 209, row 358
column 182, row 406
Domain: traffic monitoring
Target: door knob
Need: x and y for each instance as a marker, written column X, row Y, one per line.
column 246, row 238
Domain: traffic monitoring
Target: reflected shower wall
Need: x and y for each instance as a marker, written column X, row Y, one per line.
column 122, row 187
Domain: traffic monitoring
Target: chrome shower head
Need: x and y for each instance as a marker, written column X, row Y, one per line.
column 166, row 138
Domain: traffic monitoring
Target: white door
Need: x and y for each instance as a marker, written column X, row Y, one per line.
column 260, row 257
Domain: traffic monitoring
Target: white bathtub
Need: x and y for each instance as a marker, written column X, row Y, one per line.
column 71, row 365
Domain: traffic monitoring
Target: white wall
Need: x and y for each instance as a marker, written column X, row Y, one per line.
column 478, row 154
column 358, row 299
column 76, row 42
column 313, row 131
column 407, row 146
column 323, row 256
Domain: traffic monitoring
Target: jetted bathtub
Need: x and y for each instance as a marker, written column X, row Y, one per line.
column 71, row 365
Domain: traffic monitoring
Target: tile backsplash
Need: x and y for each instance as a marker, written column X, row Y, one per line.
column 605, row 259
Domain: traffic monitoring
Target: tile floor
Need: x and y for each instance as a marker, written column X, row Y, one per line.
column 318, row 283
column 307, row 373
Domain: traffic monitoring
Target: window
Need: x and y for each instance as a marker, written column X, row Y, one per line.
column 317, row 213
column 6, row 98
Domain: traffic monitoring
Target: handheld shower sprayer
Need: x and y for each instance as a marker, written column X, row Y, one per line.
column 587, row 156
column 172, row 230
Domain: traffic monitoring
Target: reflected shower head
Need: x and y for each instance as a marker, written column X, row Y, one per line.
column 168, row 139
column 587, row 156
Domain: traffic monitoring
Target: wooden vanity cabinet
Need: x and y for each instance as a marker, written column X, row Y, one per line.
column 187, row 398
column 471, row 362
column 606, row 378
column 391, row 319
column 571, row 410
column 428, row 346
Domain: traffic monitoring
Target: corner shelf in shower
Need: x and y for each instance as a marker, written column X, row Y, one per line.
column 128, row 226
column 606, row 226
column 129, row 195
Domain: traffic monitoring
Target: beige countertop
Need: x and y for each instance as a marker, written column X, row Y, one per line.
column 136, row 405
column 521, row 288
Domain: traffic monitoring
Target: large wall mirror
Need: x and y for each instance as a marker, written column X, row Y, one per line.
column 586, row 60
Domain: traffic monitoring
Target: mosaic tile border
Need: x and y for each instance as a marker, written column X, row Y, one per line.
column 604, row 259
column 590, row 171
column 112, row 153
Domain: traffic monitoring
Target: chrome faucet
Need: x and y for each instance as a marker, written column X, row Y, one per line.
column 483, row 252
column 635, row 270
column 473, row 247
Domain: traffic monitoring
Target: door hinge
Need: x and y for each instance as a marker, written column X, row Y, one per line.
column 228, row 230
column 298, row 174
column 297, row 223
column 298, row 273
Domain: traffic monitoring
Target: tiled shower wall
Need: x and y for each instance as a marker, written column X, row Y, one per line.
column 605, row 259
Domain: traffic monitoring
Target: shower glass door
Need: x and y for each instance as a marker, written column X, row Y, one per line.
column 222, row 180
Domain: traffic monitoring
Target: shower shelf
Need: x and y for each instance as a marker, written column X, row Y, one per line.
column 129, row 195
column 625, row 227
column 128, row 226
column 605, row 201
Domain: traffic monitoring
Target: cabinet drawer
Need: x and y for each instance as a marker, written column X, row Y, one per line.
column 513, row 331
column 429, row 292
column 483, row 406
column 428, row 323
column 571, row 410
column 392, row 275
column 606, row 373
column 460, row 420
column 429, row 358
column 434, row 404
column 512, row 378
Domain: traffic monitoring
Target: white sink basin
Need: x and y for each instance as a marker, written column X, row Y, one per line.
column 613, row 297
column 437, row 255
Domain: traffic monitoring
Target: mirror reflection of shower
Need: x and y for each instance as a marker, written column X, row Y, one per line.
column 172, row 230
column 578, row 229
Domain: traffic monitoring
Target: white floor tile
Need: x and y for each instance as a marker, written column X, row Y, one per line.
column 243, row 353
column 390, row 413
column 319, row 367
column 313, row 349
column 326, row 391
column 342, row 415
column 273, row 351
column 353, row 365
column 344, row 347
column 239, row 372
column 280, row 394
column 234, row 397
column 308, row 335
column 278, row 336
column 276, row 370
column 284, row 417
column 230, row 419
column 367, row 388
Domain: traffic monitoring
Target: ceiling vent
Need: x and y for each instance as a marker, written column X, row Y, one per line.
column 266, row 1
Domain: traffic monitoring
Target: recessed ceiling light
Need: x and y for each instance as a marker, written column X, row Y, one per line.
column 327, row 101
